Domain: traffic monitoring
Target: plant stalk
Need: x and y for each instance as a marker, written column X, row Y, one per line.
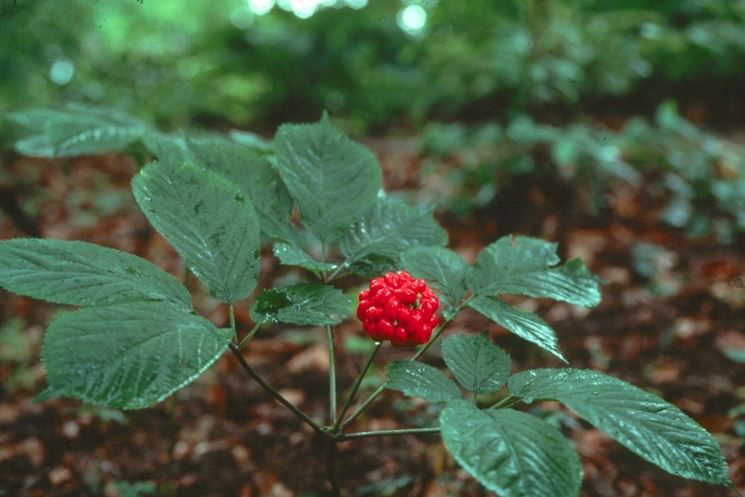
column 416, row 356
column 332, row 375
column 383, row 433
column 277, row 396
column 231, row 312
column 332, row 467
column 336, row 272
column 357, row 384
column 249, row 336
column 506, row 402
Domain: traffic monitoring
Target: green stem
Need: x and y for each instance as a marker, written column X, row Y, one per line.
column 332, row 375
column 506, row 402
column 431, row 341
column 383, row 433
column 232, row 321
column 440, row 329
column 250, row 335
column 336, row 272
column 416, row 356
column 363, row 406
column 357, row 384
column 277, row 396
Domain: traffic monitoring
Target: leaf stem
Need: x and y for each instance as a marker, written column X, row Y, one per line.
column 332, row 453
column 357, row 384
column 231, row 312
column 383, row 433
column 332, row 375
column 324, row 258
column 416, row 356
column 250, row 335
column 363, row 406
column 431, row 341
column 277, row 396
column 505, row 402
column 336, row 272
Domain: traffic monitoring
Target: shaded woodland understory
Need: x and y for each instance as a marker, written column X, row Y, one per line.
column 670, row 319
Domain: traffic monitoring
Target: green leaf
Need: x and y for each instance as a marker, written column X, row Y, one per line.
column 35, row 119
column 371, row 265
column 169, row 149
column 307, row 303
column 128, row 356
column 379, row 238
column 224, row 156
column 35, row 146
column 80, row 273
column 291, row 255
column 524, row 324
column 442, row 268
column 527, row 266
column 105, row 113
column 417, row 379
column 511, row 453
column 240, row 165
column 478, row 364
column 652, row 428
column 209, row 222
column 252, row 141
column 77, row 130
column 256, row 178
column 333, row 179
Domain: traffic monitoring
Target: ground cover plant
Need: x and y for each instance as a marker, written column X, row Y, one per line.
column 316, row 197
column 697, row 178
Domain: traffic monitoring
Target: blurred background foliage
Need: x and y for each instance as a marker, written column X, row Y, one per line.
column 578, row 90
column 254, row 62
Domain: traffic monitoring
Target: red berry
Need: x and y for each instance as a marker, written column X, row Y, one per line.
column 362, row 309
column 398, row 308
column 382, row 296
column 373, row 313
column 429, row 306
column 407, row 295
column 374, row 331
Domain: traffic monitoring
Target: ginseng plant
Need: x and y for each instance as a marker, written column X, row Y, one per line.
column 316, row 197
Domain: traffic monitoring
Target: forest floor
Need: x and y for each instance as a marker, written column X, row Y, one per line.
column 670, row 322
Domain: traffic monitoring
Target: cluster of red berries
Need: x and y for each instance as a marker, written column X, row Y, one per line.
column 399, row 308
